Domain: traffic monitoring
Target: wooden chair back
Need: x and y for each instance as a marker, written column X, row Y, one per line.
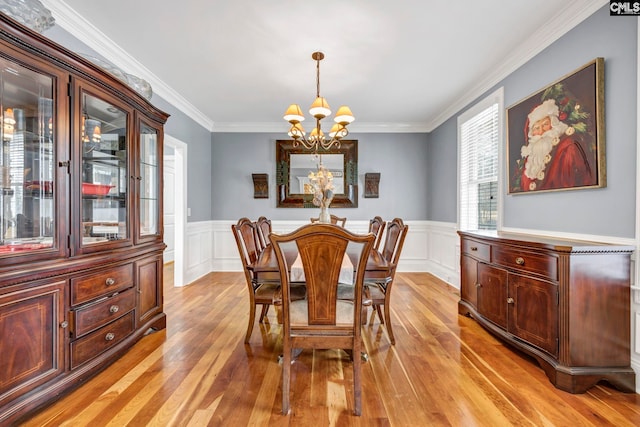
column 264, row 229
column 322, row 320
column 396, row 231
column 334, row 220
column 377, row 226
column 245, row 233
column 379, row 291
column 247, row 240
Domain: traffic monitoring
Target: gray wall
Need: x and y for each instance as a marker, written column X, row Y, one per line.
column 198, row 140
column 442, row 173
column 608, row 211
column 179, row 126
column 400, row 159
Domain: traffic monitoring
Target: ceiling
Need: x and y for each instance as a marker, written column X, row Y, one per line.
column 402, row 66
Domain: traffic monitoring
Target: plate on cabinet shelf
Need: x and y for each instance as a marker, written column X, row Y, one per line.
column 17, row 247
column 46, row 186
column 96, row 189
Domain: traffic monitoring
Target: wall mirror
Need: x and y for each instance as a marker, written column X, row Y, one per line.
column 293, row 165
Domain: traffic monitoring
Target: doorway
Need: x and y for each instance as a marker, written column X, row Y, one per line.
column 175, row 204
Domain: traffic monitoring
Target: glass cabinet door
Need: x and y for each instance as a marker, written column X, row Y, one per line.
column 149, row 181
column 27, row 159
column 104, row 191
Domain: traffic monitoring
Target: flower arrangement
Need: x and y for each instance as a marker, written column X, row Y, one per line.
column 322, row 182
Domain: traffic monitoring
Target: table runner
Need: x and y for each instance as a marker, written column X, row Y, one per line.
column 346, row 271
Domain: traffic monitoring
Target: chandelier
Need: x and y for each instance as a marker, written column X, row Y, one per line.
column 319, row 110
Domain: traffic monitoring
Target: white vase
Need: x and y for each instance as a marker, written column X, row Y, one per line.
column 324, row 217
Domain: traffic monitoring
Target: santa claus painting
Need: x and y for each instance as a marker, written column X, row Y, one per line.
column 559, row 149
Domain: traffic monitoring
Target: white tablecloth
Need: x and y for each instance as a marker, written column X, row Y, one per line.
column 346, row 271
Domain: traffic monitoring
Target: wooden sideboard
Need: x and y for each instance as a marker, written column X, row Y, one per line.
column 565, row 303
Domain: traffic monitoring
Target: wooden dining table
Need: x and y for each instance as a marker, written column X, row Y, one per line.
column 265, row 268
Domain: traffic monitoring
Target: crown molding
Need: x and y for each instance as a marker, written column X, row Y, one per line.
column 281, row 127
column 570, row 16
column 86, row 32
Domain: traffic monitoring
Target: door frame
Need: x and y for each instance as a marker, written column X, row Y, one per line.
column 180, row 197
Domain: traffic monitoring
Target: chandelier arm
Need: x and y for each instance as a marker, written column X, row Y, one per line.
column 304, row 142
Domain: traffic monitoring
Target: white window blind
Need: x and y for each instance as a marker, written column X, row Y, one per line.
column 478, row 169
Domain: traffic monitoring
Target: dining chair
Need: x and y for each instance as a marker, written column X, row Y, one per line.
column 322, row 320
column 377, row 226
column 247, row 240
column 334, row 220
column 379, row 292
column 264, row 229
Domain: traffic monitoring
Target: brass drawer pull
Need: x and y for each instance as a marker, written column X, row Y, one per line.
column 478, row 285
column 110, row 281
column 510, row 300
column 474, row 248
column 520, row 260
column 110, row 336
column 114, row 309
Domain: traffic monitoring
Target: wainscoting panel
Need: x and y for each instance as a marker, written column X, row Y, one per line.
column 199, row 244
column 418, row 254
column 444, row 252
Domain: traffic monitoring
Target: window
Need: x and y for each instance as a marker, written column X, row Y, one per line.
column 479, row 136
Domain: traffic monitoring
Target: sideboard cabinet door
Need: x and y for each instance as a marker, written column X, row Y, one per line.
column 533, row 312
column 492, row 294
column 149, row 281
column 149, row 155
column 32, row 339
column 102, row 142
column 32, row 185
column 468, row 280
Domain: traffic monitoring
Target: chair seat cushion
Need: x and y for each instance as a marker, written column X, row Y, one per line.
column 345, row 292
column 267, row 290
column 375, row 292
column 297, row 291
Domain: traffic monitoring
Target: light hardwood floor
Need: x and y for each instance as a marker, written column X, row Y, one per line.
column 444, row 370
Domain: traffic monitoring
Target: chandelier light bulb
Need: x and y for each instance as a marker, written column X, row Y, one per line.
column 320, row 108
column 294, row 114
column 344, row 116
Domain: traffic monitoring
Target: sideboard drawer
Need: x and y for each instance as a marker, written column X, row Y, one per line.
column 87, row 347
column 482, row 251
column 539, row 263
column 104, row 283
column 93, row 316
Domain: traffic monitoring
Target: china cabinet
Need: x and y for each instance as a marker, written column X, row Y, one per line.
column 80, row 219
column 565, row 303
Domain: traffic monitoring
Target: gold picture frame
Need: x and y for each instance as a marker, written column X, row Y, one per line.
column 556, row 136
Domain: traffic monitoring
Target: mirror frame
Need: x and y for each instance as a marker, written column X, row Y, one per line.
column 284, row 150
